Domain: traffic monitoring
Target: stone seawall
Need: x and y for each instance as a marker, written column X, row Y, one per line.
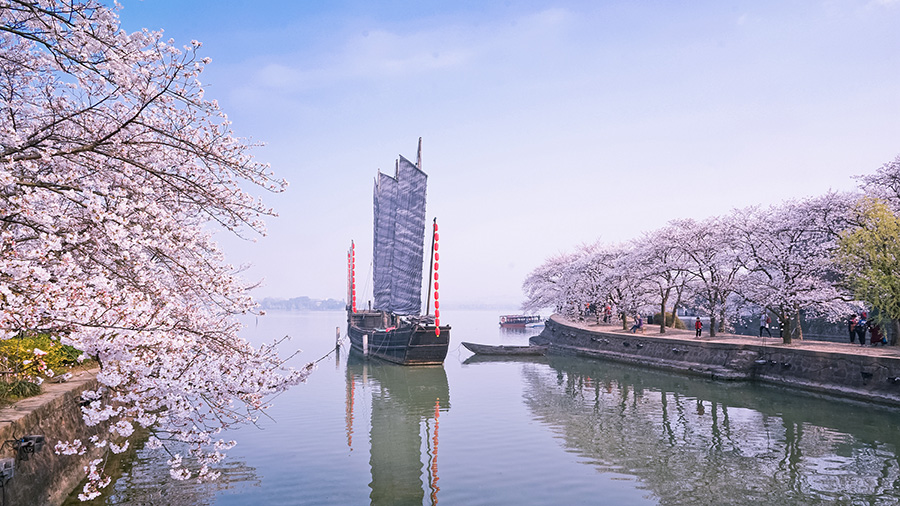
column 845, row 370
column 46, row 479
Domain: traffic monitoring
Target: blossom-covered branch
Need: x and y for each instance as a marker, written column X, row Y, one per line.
column 112, row 165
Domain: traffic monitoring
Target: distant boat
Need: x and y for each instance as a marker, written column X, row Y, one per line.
column 395, row 330
column 521, row 320
column 487, row 349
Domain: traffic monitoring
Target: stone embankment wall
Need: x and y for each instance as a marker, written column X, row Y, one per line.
column 872, row 378
column 47, row 479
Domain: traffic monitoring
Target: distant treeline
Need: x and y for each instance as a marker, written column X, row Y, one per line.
column 302, row 304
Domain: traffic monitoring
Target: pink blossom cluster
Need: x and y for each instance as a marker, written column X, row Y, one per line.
column 113, row 166
column 779, row 260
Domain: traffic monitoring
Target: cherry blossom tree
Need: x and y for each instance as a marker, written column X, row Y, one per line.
column 712, row 260
column 788, row 252
column 621, row 280
column 664, row 268
column 547, row 286
column 884, row 183
column 113, row 165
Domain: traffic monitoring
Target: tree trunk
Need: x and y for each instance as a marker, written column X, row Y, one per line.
column 799, row 327
column 785, row 322
column 662, row 324
column 895, row 328
column 674, row 315
column 624, row 321
column 675, row 308
column 712, row 326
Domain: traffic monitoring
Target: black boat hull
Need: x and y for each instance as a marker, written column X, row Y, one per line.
column 487, row 349
column 405, row 344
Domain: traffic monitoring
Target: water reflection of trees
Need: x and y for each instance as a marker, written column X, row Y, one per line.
column 144, row 480
column 405, row 413
column 699, row 442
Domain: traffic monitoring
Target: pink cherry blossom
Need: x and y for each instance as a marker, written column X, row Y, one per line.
column 114, row 169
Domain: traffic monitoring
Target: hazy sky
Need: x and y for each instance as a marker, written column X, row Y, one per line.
column 545, row 124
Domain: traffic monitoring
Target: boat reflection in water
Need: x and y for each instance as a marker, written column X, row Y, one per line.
column 701, row 442
column 405, row 419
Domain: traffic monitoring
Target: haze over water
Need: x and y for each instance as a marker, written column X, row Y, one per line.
column 555, row 430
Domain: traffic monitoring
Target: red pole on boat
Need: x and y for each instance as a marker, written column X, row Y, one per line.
column 430, row 270
column 351, row 260
column 433, row 281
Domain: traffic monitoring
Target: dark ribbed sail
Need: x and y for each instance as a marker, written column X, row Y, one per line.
column 399, row 239
column 385, row 200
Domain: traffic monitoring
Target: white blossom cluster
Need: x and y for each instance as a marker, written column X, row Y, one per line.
column 112, row 167
column 779, row 260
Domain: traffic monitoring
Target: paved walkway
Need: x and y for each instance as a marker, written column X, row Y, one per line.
column 812, row 345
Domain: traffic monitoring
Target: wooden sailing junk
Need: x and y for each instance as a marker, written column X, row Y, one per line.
column 394, row 329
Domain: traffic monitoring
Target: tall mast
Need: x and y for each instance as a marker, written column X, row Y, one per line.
column 419, row 155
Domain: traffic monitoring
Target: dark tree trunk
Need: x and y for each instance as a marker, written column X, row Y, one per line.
column 784, row 321
column 662, row 324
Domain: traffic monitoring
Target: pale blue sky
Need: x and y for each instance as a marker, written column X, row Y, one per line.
column 545, row 124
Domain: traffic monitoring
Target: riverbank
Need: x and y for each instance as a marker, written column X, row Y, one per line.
column 860, row 372
column 46, row 479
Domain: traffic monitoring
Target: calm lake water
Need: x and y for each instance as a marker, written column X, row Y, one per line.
column 554, row 430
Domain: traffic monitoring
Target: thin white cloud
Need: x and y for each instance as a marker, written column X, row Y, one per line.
column 380, row 54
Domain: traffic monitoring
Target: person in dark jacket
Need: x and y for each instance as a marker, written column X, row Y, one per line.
column 861, row 327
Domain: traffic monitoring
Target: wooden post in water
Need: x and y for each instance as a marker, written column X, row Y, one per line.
column 366, row 345
column 337, row 338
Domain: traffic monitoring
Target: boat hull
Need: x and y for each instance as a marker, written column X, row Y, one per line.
column 520, row 321
column 486, row 349
column 405, row 344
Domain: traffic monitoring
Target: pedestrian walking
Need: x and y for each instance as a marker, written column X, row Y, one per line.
column 876, row 335
column 764, row 322
column 698, row 326
column 851, row 327
column 861, row 327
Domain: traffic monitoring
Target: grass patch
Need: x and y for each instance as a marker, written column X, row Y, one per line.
column 29, row 359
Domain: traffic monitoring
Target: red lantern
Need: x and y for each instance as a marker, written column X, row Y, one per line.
column 435, row 276
column 435, row 296
column 436, row 266
column 435, row 286
column 437, row 256
column 437, row 331
column 435, row 226
column 437, row 304
column 436, row 237
column 437, row 314
column 435, row 246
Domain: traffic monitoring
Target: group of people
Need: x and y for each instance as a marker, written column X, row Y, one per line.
column 858, row 325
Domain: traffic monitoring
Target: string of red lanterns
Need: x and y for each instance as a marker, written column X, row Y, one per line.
column 437, row 310
column 352, row 262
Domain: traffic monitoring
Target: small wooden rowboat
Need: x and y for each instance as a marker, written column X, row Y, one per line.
column 487, row 349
